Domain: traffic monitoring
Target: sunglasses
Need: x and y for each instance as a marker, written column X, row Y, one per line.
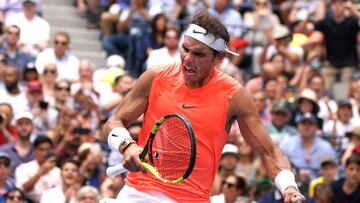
column 63, row 88
column 15, row 197
column 228, row 185
column 13, row 33
column 46, row 71
column 60, row 43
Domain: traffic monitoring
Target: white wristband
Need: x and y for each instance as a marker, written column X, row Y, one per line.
column 285, row 179
column 116, row 137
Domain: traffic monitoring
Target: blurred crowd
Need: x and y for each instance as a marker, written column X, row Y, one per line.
column 298, row 58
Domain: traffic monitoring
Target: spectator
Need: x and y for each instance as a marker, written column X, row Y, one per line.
column 122, row 86
column 66, row 192
column 48, row 80
column 259, row 98
column 7, row 129
column 306, row 102
column 44, row 117
column 21, row 150
column 13, row 54
column 91, row 167
column 258, row 22
column 329, row 170
column 354, row 144
column 15, row 195
column 89, row 111
column 67, row 63
column 268, row 71
column 40, row 174
column 278, row 128
column 157, row 35
column 307, row 150
column 32, row 41
column 248, row 164
column 229, row 17
column 355, row 99
column 233, row 187
column 12, row 92
column 229, row 158
column 63, row 97
column 11, row 7
column 111, row 187
column 347, row 189
column 86, row 84
column 168, row 54
column 88, row 194
column 339, row 34
column 5, row 183
column 336, row 129
column 109, row 17
column 313, row 11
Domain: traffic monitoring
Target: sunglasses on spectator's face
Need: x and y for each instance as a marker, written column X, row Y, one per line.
column 58, row 42
column 63, row 88
column 46, row 71
column 15, row 197
column 13, row 33
column 228, row 185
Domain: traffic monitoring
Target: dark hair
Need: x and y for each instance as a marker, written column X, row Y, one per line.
column 213, row 25
column 42, row 139
column 154, row 29
column 14, row 189
column 69, row 160
column 241, row 184
column 353, row 159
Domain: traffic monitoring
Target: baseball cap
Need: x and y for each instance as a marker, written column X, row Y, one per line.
column 328, row 162
column 344, row 102
column 230, row 149
column 355, row 131
column 280, row 106
column 34, row 86
column 24, row 114
column 115, row 61
column 308, row 117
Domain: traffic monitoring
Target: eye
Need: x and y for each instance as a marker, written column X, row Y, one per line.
column 185, row 49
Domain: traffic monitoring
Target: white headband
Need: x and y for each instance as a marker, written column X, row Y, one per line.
column 199, row 33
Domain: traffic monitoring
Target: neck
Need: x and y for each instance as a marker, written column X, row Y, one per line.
column 339, row 18
column 12, row 48
column 350, row 186
column 308, row 142
column 24, row 143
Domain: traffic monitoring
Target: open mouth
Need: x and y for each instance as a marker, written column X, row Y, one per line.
column 189, row 71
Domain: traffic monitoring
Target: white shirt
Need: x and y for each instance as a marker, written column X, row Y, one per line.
column 162, row 57
column 32, row 32
column 50, row 180
column 217, row 198
column 67, row 66
column 55, row 195
column 19, row 102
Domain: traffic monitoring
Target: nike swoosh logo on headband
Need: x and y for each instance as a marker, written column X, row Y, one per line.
column 198, row 32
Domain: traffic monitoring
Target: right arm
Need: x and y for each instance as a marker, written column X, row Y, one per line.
column 130, row 108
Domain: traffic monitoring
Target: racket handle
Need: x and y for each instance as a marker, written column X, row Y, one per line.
column 115, row 170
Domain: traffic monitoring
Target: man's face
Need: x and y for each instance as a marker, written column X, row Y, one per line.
column 125, row 84
column 338, row 8
column 41, row 152
column 69, row 173
column 307, row 129
column 171, row 39
column 12, row 36
column 352, row 172
column 280, row 118
column 11, row 75
column 24, row 128
column 29, row 9
column 60, row 45
column 198, row 61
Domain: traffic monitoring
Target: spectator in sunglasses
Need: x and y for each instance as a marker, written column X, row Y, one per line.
column 15, row 195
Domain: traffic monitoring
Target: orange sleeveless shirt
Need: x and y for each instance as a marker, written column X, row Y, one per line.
column 207, row 117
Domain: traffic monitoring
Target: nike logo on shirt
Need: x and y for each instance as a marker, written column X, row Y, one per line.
column 185, row 106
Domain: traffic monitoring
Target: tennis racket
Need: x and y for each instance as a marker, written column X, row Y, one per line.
column 171, row 150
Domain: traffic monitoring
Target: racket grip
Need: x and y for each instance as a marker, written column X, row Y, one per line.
column 115, row 170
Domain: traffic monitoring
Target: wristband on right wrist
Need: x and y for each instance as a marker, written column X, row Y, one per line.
column 285, row 179
column 116, row 137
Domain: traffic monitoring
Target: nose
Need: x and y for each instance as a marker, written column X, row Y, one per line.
column 187, row 57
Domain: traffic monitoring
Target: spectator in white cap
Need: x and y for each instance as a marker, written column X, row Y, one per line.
column 228, row 161
column 20, row 151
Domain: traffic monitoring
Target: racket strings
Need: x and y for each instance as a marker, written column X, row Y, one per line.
column 171, row 149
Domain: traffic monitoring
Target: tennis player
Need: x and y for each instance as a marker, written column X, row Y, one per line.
column 210, row 100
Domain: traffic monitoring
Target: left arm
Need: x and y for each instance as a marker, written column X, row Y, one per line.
column 255, row 134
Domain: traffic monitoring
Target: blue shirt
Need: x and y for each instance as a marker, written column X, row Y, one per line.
column 309, row 160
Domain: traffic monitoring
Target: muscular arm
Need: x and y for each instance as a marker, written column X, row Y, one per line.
column 134, row 103
column 255, row 134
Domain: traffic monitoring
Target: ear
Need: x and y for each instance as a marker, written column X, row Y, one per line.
column 219, row 58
